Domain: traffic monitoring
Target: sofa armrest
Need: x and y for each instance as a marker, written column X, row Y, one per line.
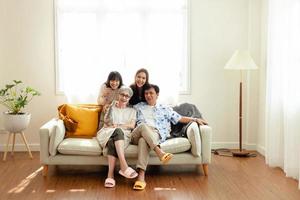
column 200, row 140
column 45, row 132
column 206, row 137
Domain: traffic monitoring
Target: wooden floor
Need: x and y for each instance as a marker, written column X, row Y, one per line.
column 229, row 178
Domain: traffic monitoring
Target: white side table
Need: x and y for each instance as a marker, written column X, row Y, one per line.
column 13, row 144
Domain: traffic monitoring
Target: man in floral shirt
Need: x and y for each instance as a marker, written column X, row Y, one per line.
column 153, row 126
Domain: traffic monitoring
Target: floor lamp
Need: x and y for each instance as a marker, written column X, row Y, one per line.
column 240, row 60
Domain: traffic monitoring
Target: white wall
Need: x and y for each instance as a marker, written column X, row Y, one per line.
column 28, row 55
column 218, row 27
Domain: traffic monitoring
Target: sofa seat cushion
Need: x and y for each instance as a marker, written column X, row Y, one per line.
column 80, row 146
column 173, row 145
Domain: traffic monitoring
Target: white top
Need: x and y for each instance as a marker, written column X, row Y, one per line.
column 122, row 115
column 117, row 116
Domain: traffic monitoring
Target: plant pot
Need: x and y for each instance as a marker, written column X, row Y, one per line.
column 16, row 123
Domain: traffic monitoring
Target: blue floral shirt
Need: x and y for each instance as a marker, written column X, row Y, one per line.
column 163, row 116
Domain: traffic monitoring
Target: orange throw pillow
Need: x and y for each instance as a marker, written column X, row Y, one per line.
column 81, row 121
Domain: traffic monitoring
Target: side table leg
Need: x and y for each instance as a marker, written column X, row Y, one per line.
column 24, row 139
column 13, row 144
column 6, row 149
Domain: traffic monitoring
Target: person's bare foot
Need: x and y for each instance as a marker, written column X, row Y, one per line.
column 141, row 175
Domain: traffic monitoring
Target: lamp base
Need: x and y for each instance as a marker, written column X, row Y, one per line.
column 240, row 153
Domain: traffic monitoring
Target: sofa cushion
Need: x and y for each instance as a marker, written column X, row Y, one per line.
column 80, row 146
column 56, row 137
column 173, row 145
column 86, row 119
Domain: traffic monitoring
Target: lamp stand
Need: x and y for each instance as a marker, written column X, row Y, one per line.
column 240, row 152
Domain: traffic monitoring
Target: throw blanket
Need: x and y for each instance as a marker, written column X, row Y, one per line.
column 187, row 110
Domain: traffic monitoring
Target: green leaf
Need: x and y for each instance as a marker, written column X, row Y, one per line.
column 17, row 81
column 9, row 86
column 15, row 98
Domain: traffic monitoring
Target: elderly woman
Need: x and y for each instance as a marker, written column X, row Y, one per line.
column 119, row 120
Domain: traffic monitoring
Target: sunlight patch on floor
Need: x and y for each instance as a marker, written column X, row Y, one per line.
column 19, row 188
column 50, row 191
column 160, row 189
column 77, row 190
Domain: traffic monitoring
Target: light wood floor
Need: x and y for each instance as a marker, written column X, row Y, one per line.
column 229, row 178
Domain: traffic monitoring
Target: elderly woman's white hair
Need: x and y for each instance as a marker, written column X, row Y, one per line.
column 127, row 90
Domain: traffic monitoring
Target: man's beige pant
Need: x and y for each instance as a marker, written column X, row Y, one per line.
column 147, row 138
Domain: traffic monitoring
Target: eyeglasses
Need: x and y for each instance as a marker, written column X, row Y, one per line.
column 125, row 95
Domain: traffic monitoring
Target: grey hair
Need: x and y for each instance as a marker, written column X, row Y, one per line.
column 126, row 89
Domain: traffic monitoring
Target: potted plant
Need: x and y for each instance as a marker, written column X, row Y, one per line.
column 15, row 98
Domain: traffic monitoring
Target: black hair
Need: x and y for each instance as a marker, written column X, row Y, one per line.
column 155, row 87
column 114, row 75
column 144, row 71
column 138, row 94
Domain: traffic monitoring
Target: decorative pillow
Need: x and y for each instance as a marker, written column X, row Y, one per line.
column 80, row 120
column 193, row 135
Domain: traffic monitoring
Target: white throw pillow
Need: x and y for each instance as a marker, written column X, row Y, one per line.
column 193, row 134
column 56, row 137
column 176, row 145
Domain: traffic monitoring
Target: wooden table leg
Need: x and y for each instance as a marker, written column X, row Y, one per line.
column 6, row 149
column 13, row 144
column 26, row 144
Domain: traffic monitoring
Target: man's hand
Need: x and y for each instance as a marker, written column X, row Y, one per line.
column 200, row 121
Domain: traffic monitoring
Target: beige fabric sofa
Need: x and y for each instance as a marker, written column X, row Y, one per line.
column 57, row 150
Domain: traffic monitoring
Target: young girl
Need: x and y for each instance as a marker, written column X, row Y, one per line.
column 116, row 133
column 140, row 81
column 108, row 92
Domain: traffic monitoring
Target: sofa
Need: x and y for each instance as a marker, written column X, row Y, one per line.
column 56, row 149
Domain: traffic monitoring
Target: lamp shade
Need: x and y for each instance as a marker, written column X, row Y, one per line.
column 240, row 60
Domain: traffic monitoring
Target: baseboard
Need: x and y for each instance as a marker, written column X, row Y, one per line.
column 2, row 130
column 233, row 145
column 20, row 147
column 261, row 150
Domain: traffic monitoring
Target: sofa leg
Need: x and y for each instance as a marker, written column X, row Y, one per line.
column 45, row 170
column 205, row 169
